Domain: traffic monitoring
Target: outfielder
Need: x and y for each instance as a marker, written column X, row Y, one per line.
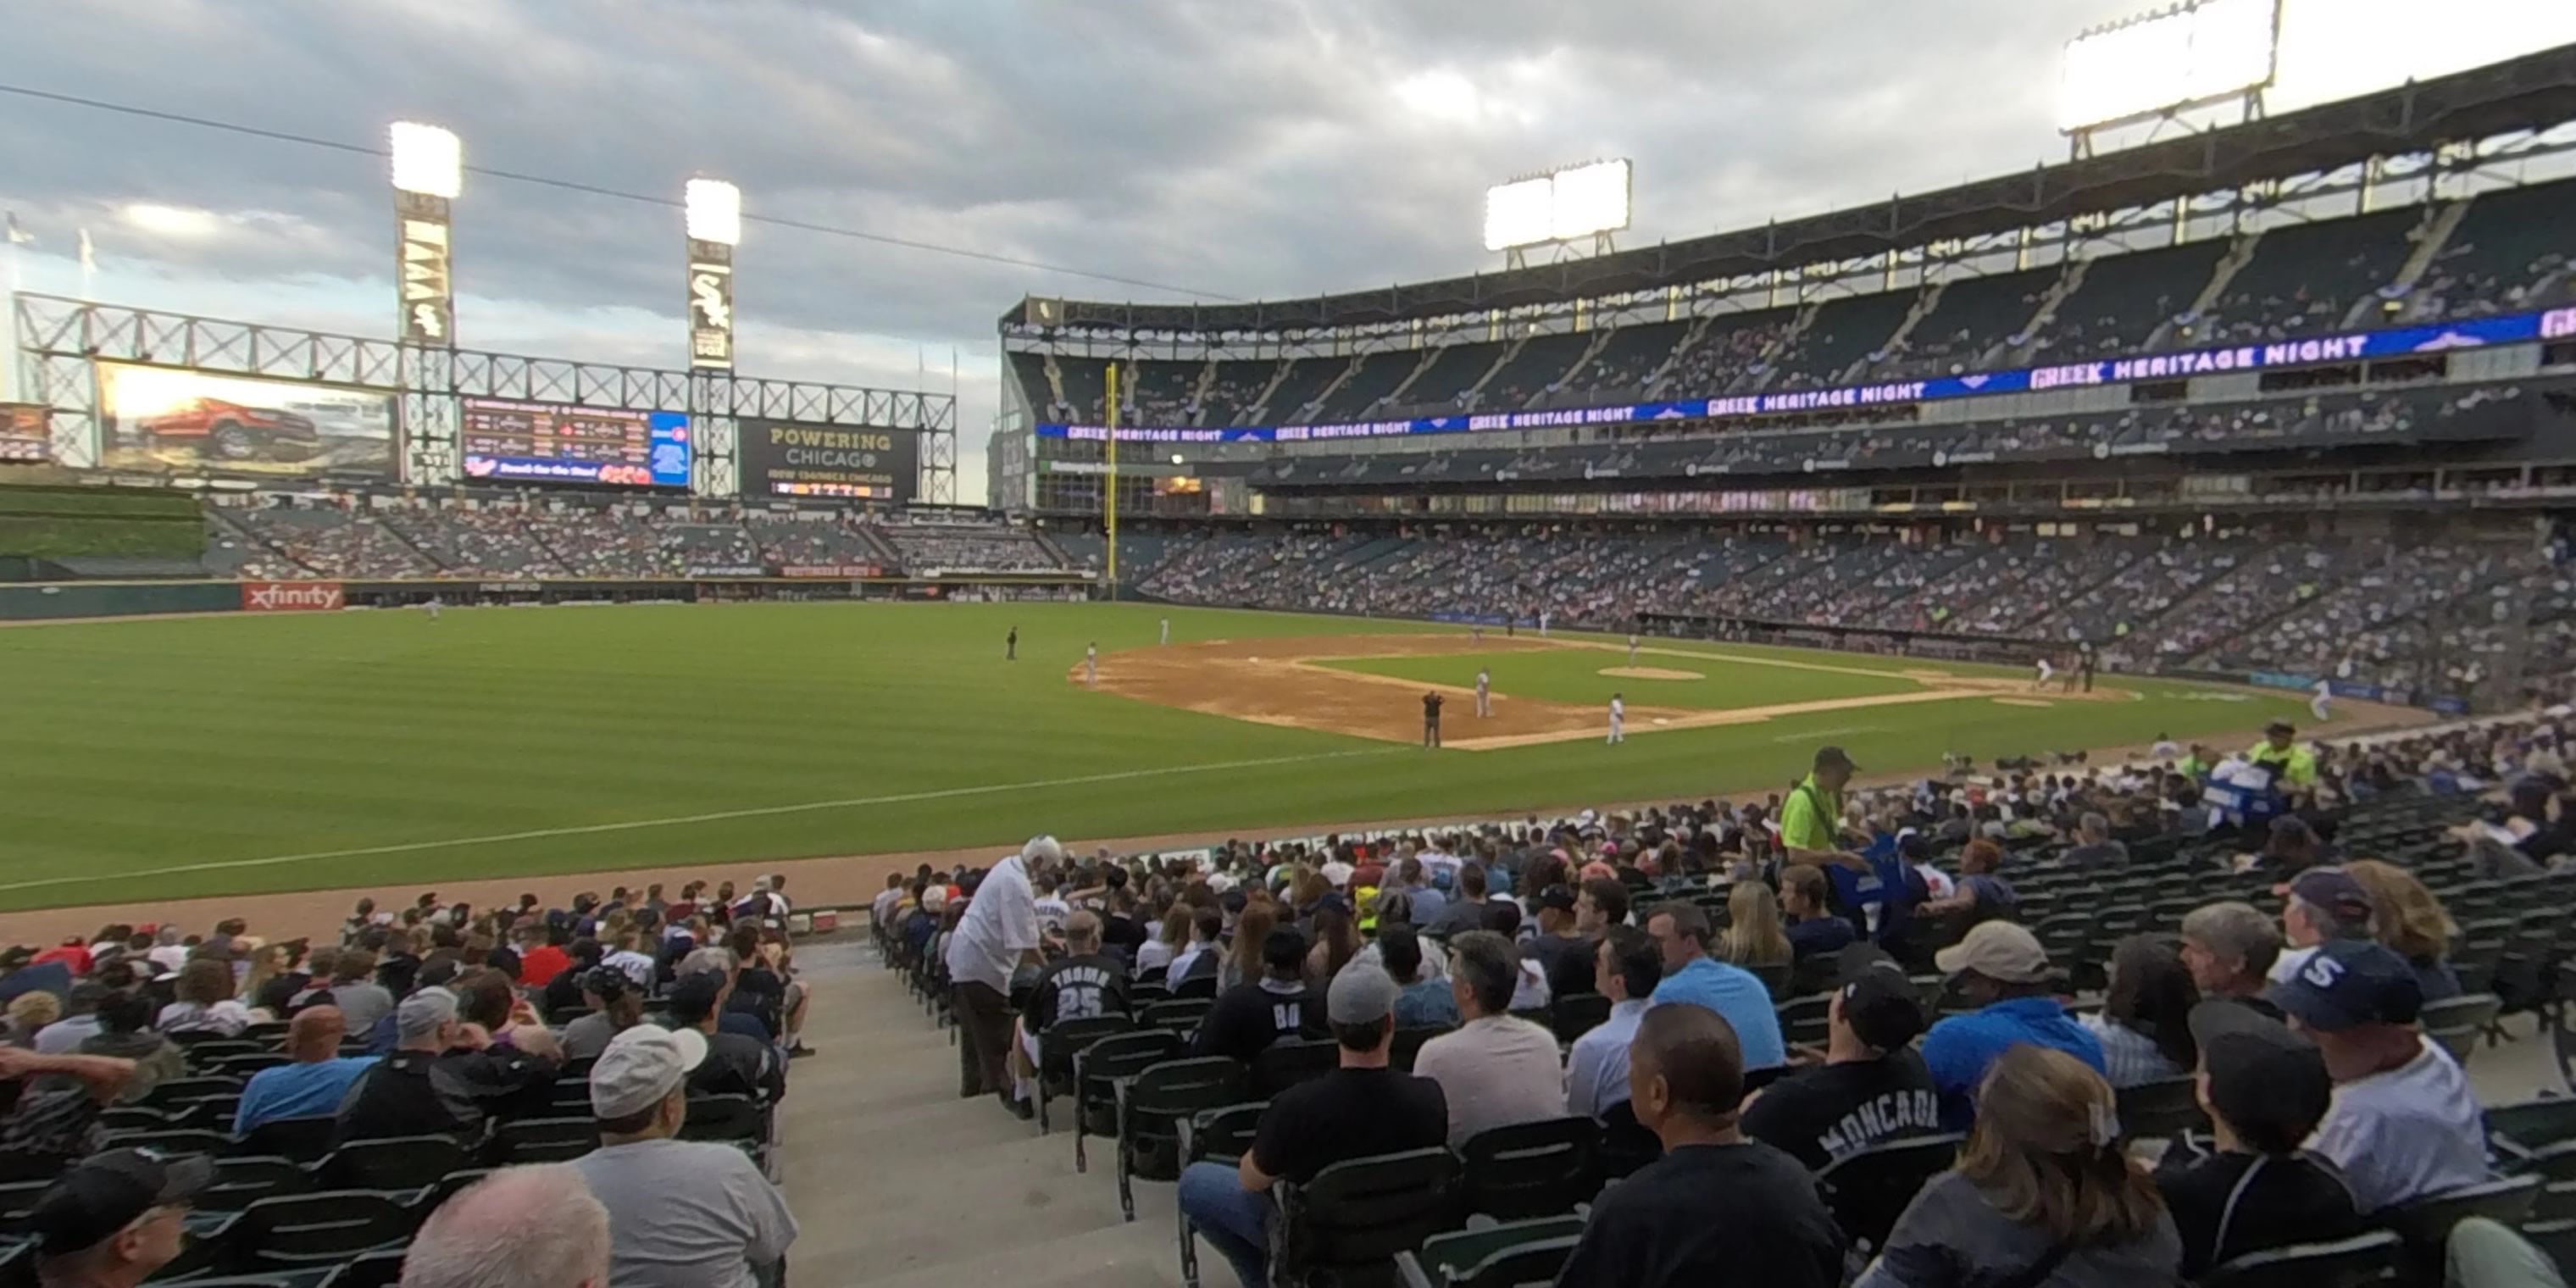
column 1632, row 648
column 2321, row 705
column 1484, row 693
column 1091, row 665
column 1167, row 630
column 1542, row 623
column 1618, row 719
column 433, row 607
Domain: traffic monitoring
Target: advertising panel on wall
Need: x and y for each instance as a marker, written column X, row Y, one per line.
column 792, row 458
column 292, row 596
column 508, row 440
column 161, row 418
column 23, row 436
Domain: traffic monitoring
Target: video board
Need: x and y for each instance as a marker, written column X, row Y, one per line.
column 507, row 440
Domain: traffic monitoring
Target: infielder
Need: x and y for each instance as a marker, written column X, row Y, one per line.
column 1542, row 623
column 2047, row 671
column 1167, row 630
column 1484, row 692
column 1091, row 665
column 2321, row 706
column 1632, row 648
column 1618, row 719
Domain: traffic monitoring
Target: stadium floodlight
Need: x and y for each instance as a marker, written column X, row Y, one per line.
column 714, row 211
column 2191, row 55
column 428, row 160
column 1588, row 200
column 1519, row 213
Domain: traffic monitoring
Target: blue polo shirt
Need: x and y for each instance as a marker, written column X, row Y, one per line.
column 1736, row 994
column 297, row 1090
column 1959, row 1049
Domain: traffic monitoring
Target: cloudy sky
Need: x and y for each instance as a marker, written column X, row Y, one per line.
column 1236, row 148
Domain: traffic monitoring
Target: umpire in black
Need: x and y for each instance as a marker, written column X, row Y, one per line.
column 1431, row 719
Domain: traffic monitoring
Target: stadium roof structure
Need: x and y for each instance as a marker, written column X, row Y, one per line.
column 2532, row 92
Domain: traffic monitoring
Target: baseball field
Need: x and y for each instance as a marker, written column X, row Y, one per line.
column 168, row 758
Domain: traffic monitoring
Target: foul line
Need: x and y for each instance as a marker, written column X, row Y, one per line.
column 854, row 802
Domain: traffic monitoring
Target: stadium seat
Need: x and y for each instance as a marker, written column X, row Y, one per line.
column 243, row 1180
column 393, row 1163
column 1803, row 1020
column 1213, row 1135
column 2364, row 1259
column 448, row 1187
column 1095, row 1071
column 17, row 1199
column 1286, row 1063
column 2425, row 1225
column 2458, row 1022
column 1057, row 1045
column 1408, row 1044
column 304, row 1140
column 1346, row 1225
column 1870, row 1187
column 544, row 1140
column 2161, row 1109
column 1508, row 1255
column 173, row 1141
column 380, row 1269
column 2555, row 1239
column 243, row 1064
column 326, row 1227
column 1198, row 986
column 1531, row 1169
column 1626, row 1145
column 1153, row 1103
column 1181, row 1014
column 736, row 1119
column 174, row 1092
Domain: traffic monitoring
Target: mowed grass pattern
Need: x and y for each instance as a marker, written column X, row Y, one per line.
column 152, row 744
column 1574, row 675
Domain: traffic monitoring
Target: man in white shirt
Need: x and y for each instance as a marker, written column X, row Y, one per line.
column 2404, row 1124
column 1337, row 871
column 1618, row 719
column 1496, row 1069
column 1052, row 910
column 997, row 936
column 882, row 909
column 1626, row 967
column 1484, row 692
column 681, row 1214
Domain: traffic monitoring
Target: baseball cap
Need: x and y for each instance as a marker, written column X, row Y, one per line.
column 641, row 1066
column 1879, row 1002
column 1557, row 897
column 1998, row 950
column 2347, row 983
column 2333, row 890
column 1834, row 758
column 1361, row 994
column 421, row 1013
column 696, row 994
column 106, row 1192
column 2266, row 1081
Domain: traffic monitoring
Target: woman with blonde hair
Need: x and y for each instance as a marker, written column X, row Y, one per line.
column 1243, row 960
column 1754, row 935
column 28, row 1013
column 1157, row 952
column 2407, row 920
column 2042, row 1194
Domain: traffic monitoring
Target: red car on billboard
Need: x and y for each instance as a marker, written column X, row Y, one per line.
column 232, row 431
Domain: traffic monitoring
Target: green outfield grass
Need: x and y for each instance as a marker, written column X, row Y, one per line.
column 196, row 756
column 1574, row 675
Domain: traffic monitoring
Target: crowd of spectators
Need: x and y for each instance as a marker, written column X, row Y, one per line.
column 437, row 1029
column 1733, row 998
column 925, row 547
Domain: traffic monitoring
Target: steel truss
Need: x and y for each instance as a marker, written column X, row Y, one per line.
column 61, row 340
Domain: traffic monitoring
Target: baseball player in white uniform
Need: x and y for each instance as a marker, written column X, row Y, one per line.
column 1484, row 692
column 2321, row 705
column 1091, row 665
column 1632, row 648
column 2047, row 671
column 1618, row 719
column 433, row 607
column 1167, row 630
column 1542, row 624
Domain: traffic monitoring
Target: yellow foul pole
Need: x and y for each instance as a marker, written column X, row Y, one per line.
column 1109, row 489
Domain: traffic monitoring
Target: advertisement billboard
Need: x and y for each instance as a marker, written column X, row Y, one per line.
column 153, row 418
column 292, row 596
column 23, row 436
column 789, row 458
column 507, row 440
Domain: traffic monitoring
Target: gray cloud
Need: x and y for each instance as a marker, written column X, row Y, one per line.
column 1245, row 147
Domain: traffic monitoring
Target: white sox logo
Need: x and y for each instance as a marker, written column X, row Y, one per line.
column 291, row 596
column 707, row 295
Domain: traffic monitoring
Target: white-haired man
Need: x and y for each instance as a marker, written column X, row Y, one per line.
column 520, row 1227
column 682, row 1214
column 998, row 935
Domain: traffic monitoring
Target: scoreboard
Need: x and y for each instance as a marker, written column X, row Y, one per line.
column 509, row 440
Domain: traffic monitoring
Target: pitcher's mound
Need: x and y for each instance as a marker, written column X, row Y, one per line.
column 1649, row 673
column 2022, row 702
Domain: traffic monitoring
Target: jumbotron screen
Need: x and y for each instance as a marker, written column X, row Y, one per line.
column 512, row 441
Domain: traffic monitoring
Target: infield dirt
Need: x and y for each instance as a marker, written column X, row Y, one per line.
column 1280, row 682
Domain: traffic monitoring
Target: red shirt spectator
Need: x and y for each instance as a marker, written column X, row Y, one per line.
column 72, row 953
column 539, row 965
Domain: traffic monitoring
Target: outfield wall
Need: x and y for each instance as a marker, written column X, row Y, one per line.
column 49, row 600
